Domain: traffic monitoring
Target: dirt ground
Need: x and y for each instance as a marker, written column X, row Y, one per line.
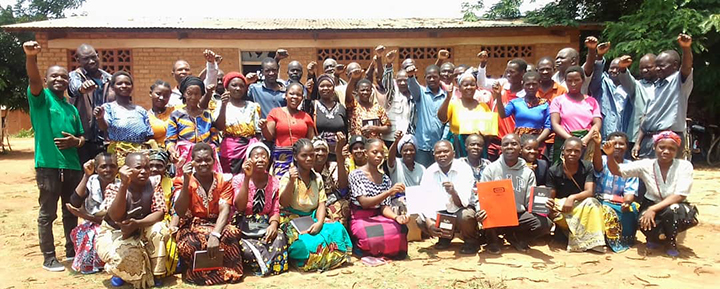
column 546, row 265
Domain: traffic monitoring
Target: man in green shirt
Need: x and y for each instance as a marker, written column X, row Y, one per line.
column 58, row 134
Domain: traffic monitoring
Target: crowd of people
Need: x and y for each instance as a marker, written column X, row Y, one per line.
column 215, row 180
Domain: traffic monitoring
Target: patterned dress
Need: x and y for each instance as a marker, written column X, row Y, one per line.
column 241, row 126
column 184, row 131
column 360, row 116
column 372, row 233
column 85, row 235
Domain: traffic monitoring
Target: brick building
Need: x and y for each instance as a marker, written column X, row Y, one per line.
column 147, row 48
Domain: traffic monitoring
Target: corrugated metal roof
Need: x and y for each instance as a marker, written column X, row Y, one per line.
column 83, row 22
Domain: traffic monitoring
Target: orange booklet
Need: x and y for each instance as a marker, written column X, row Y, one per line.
column 497, row 198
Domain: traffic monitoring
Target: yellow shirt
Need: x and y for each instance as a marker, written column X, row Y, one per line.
column 457, row 113
column 159, row 124
column 306, row 199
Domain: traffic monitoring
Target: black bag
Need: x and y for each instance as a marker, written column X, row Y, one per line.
column 253, row 226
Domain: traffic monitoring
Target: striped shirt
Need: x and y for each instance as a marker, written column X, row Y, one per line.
column 183, row 127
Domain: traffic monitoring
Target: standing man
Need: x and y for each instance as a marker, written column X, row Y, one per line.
column 87, row 91
column 568, row 57
column 549, row 88
column 58, row 134
column 181, row 69
column 511, row 166
column 270, row 93
column 640, row 90
column 667, row 110
column 427, row 99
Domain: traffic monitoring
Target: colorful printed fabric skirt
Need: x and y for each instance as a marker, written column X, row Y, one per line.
column 620, row 227
column 559, row 142
column 584, row 226
column 121, row 149
column 193, row 237
column 339, row 211
column 184, row 149
column 263, row 258
column 84, row 237
column 282, row 157
column 232, row 152
column 173, row 256
column 326, row 250
column 137, row 259
column 375, row 235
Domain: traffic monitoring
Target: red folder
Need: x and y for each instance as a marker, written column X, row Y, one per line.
column 497, row 198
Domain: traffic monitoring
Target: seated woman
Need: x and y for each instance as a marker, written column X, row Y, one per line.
column 159, row 160
column 664, row 212
column 329, row 114
column 617, row 195
column 240, row 123
column 127, row 125
column 334, row 178
column 403, row 170
column 159, row 115
column 574, row 114
column 573, row 208
column 85, row 203
column 532, row 114
column 302, row 193
column 204, row 198
column 371, row 193
column 257, row 201
column 355, row 152
column 191, row 124
column 466, row 115
column 285, row 126
column 367, row 117
column 132, row 237
column 531, row 154
column 474, row 144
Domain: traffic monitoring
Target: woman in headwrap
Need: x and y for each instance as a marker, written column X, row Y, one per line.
column 665, row 211
column 532, row 114
column 159, row 164
column 241, row 125
column 326, row 244
column 329, row 114
column 263, row 247
column 285, row 126
column 190, row 124
column 574, row 114
column 127, row 125
column 160, row 93
column 466, row 115
column 334, row 177
column 404, row 170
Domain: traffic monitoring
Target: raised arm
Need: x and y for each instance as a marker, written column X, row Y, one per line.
column 341, row 169
column 597, row 154
column 220, row 119
column 211, row 67
column 442, row 55
column 392, row 151
column 241, row 198
column 183, row 199
column 591, row 43
column 355, row 76
column 685, row 42
column 288, row 190
column 442, row 112
column 118, row 208
column 32, row 48
column 497, row 95
column 482, row 71
column 413, row 84
column 627, row 81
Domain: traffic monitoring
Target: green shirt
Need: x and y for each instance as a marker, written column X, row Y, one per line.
column 51, row 116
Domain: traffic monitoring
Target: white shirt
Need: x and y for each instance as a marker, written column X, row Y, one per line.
column 399, row 115
column 460, row 174
column 211, row 71
column 679, row 177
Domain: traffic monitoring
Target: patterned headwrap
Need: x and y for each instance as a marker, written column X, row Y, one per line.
column 232, row 75
column 255, row 145
column 326, row 77
column 159, row 155
column 408, row 138
column 318, row 141
column 667, row 135
column 190, row 81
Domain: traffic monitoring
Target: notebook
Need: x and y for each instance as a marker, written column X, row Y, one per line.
column 446, row 224
column 538, row 199
column 202, row 261
column 371, row 121
column 498, row 200
column 302, row 224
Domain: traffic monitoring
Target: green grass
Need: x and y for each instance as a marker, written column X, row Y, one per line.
column 25, row 133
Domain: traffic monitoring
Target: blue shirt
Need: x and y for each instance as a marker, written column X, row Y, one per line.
column 537, row 117
column 611, row 185
column 429, row 128
column 267, row 98
column 128, row 125
column 640, row 93
column 613, row 100
column 668, row 108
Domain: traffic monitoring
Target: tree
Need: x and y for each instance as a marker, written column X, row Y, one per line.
column 13, row 78
column 504, row 9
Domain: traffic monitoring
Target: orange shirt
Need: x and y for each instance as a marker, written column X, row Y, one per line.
column 555, row 91
column 206, row 205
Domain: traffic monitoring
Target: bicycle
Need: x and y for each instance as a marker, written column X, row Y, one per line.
column 704, row 141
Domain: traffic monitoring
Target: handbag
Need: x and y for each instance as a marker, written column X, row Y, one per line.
column 253, row 226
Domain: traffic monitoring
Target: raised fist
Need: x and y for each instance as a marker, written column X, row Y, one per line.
column 31, row 48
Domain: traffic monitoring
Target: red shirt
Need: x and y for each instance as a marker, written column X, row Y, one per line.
column 505, row 125
column 289, row 129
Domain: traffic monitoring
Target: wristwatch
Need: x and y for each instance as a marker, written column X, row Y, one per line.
column 216, row 234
